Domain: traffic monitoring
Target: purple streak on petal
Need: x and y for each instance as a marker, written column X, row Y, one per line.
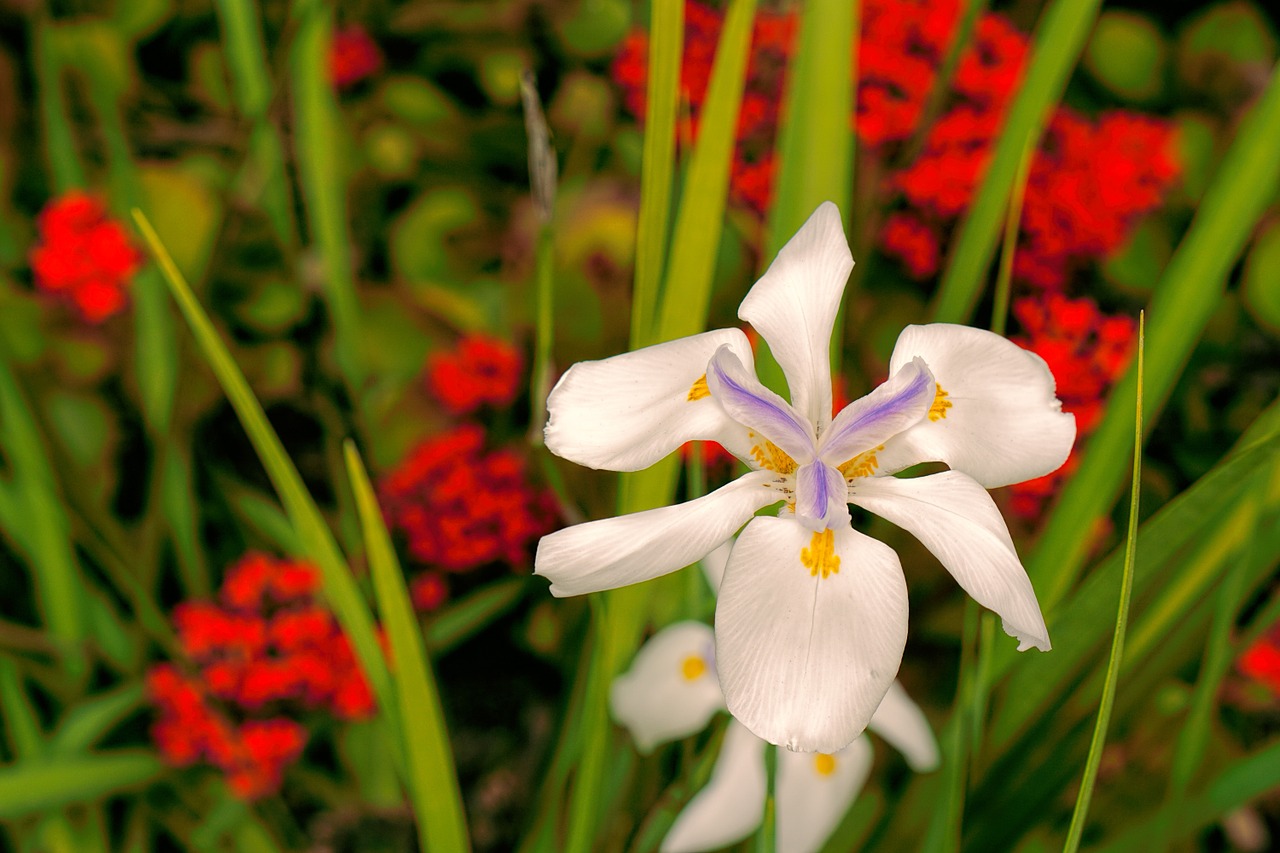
column 756, row 407
column 897, row 404
column 822, row 496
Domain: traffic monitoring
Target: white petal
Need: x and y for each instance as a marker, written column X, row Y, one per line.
column 805, row 659
column 1004, row 424
column 744, row 399
column 731, row 806
column 901, row 722
column 957, row 521
column 896, row 405
column 713, row 565
column 794, row 304
column 614, row 552
column 814, row 792
column 671, row 690
column 626, row 412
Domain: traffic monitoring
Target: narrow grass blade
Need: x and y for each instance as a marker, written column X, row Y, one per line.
column 1056, row 45
column 20, row 721
column 313, row 533
column 437, row 802
column 1189, row 292
column 91, row 720
column 317, row 126
column 1004, row 278
column 458, row 620
column 1081, row 812
column 41, row 528
column 59, row 139
column 543, row 169
column 816, row 141
column 657, row 164
column 32, row 787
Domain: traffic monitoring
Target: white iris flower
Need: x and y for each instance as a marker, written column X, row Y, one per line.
column 812, row 618
column 671, row 692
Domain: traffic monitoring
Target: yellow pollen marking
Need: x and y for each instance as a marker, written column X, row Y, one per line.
column 938, row 410
column 820, row 556
column 774, row 458
column 862, row 465
column 693, row 668
column 699, row 389
column 824, row 764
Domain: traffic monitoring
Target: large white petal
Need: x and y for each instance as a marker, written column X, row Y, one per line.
column 814, row 792
column 671, row 690
column 626, row 412
column 805, row 659
column 901, row 722
column 713, row 565
column 955, row 518
column 794, row 304
column 614, row 552
column 731, row 806
column 1004, row 424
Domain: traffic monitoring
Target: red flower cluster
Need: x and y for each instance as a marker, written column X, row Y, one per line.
column 1088, row 182
column 481, row 371
column 461, row 507
column 84, row 256
column 264, row 646
column 771, row 41
column 353, row 56
column 1087, row 352
column 1261, row 661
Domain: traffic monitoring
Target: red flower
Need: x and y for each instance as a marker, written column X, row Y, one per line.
column 481, row 371
column 84, row 256
column 1261, row 662
column 353, row 56
column 461, row 507
column 429, row 591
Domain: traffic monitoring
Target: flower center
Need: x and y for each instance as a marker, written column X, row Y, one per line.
column 693, row 667
column 824, row 764
column 938, row 410
column 820, row 557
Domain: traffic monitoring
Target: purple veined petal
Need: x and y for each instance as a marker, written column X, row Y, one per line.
column 901, row 402
column 822, row 496
column 754, row 406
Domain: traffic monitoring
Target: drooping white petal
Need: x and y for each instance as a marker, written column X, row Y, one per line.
column 731, row 806
column 810, row 629
column 815, row 790
column 793, row 306
column 955, row 518
column 626, row 412
column 1003, row 425
column 713, row 565
column 821, row 496
column 896, row 405
column 671, row 690
column 754, row 406
column 614, row 552
column 901, row 722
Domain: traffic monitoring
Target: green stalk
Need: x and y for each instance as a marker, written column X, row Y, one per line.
column 1056, row 46
column 59, row 138
column 657, row 164
column 433, row 779
column 1189, row 292
column 542, row 176
column 1081, row 812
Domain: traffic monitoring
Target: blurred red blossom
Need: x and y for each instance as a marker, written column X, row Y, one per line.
column 461, row 506
column 1087, row 352
column 266, row 646
column 482, row 371
column 353, row 56
column 1261, row 661
column 84, row 256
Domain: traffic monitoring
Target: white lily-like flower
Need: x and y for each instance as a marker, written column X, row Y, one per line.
column 671, row 692
column 812, row 618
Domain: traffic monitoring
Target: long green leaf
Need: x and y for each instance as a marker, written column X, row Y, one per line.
column 91, row 720
column 31, row 787
column 1188, row 294
column 1085, row 795
column 59, row 139
column 437, row 802
column 1056, row 46
column 316, row 538
column 20, row 721
column 316, row 136
column 657, row 164
column 459, row 619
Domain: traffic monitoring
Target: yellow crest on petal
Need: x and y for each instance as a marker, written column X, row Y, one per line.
column 699, row 389
column 820, row 557
column 693, row 667
column 938, row 410
column 823, row 764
